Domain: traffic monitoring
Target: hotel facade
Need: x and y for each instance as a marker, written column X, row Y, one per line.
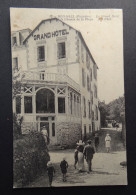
column 58, row 76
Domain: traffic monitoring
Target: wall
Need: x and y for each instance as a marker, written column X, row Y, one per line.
column 68, row 133
column 65, row 65
column 82, row 51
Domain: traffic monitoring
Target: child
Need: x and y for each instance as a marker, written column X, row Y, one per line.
column 64, row 166
column 51, row 172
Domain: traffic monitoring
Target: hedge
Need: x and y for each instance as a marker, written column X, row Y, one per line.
column 30, row 158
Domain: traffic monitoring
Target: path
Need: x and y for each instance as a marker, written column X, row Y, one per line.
column 106, row 166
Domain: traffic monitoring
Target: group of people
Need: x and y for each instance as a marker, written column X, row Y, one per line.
column 81, row 153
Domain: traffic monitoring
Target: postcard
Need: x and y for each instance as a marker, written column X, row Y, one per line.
column 68, row 97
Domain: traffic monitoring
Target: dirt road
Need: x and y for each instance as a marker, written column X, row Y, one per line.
column 106, row 166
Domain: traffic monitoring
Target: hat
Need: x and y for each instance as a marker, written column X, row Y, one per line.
column 49, row 163
column 89, row 141
column 80, row 143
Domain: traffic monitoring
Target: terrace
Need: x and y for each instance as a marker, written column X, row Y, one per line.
column 49, row 77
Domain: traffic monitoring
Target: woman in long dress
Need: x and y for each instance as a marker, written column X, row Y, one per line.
column 108, row 142
column 80, row 149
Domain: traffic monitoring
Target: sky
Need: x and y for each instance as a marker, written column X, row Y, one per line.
column 102, row 30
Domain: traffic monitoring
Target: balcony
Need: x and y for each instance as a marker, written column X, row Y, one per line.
column 49, row 77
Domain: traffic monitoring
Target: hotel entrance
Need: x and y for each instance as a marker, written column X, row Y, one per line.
column 49, row 124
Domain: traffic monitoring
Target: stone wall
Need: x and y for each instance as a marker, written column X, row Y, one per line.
column 68, row 133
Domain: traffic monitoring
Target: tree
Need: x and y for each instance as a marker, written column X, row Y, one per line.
column 103, row 113
column 115, row 108
column 16, row 90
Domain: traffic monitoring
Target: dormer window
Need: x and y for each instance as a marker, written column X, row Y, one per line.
column 14, row 41
column 61, row 50
column 41, row 53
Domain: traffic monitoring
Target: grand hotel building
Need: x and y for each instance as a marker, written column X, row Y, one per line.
column 59, row 82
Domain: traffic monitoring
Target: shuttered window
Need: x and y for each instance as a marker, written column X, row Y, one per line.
column 41, row 53
column 61, row 50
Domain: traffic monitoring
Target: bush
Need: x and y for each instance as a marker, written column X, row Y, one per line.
column 30, row 158
column 17, row 121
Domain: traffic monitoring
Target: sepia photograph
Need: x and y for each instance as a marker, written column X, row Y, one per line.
column 68, row 97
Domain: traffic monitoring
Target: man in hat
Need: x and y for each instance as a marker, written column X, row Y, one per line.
column 88, row 153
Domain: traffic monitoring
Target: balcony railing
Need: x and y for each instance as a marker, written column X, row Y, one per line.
column 53, row 77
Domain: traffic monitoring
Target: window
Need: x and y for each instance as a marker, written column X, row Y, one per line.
column 82, row 53
column 92, row 115
column 41, row 53
column 83, row 77
column 84, row 139
column 88, row 83
column 53, row 129
column 15, row 63
column 90, row 74
column 78, row 107
column 95, row 91
column 61, row 105
column 45, row 101
column 28, row 104
column 95, row 71
column 18, row 105
column 61, row 50
column 84, row 103
column 89, row 109
column 96, row 113
column 92, row 97
column 87, row 60
column 71, row 107
column 14, row 41
column 89, row 128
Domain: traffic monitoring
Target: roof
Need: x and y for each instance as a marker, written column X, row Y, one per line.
column 27, row 29
column 80, row 35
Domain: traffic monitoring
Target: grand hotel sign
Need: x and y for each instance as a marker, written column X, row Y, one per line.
column 51, row 34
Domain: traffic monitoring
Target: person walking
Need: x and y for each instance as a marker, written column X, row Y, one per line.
column 64, row 166
column 96, row 142
column 88, row 153
column 108, row 142
column 51, row 172
column 80, row 158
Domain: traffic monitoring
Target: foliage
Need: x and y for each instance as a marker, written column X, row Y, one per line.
column 17, row 84
column 17, row 121
column 16, row 90
column 112, row 111
column 115, row 108
column 30, row 158
column 103, row 113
